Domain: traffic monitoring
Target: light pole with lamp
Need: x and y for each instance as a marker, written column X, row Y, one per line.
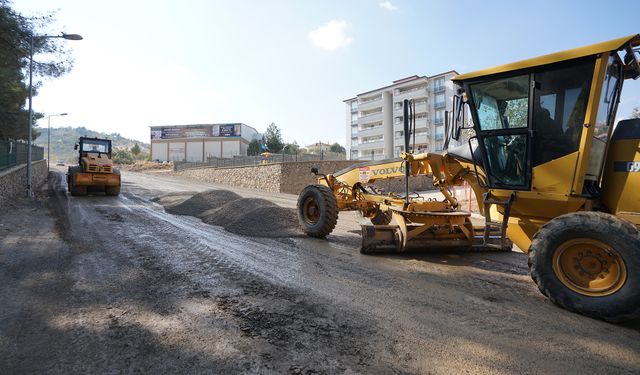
column 49, row 138
column 31, row 40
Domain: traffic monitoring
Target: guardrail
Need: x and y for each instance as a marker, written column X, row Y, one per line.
column 243, row 161
column 14, row 153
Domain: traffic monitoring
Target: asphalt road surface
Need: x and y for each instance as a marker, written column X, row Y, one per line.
column 116, row 285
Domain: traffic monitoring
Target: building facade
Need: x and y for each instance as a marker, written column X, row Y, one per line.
column 196, row 143
column 375, row 118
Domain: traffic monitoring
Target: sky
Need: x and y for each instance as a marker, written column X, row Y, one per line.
column 145, row 63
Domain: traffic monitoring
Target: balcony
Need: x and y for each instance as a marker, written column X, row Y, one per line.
column 370, row 104
column 372, row 117
column 420, row 108
column 371, row 145
column 420, row 123
column 369, row 131
column 410, row 94
column 420, row 139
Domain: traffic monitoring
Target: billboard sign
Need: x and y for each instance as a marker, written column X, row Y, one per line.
column 204, row 131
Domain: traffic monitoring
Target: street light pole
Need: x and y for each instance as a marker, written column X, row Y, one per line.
column 31, row 39
column 49, row 138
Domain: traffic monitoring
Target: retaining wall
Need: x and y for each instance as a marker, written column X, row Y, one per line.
column 275, row 178
column 290, row 177
column 13, row 182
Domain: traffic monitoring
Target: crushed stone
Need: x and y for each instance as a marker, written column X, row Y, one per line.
column 202, row 202
column 233, row 211
column 253, row 217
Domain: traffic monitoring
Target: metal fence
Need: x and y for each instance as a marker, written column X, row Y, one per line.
column 242, row 161
column 14, row 153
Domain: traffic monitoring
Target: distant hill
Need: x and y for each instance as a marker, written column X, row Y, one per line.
column 63, row 140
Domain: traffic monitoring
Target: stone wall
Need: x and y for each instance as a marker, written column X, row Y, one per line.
column 259, row 177
column 13, row 182
column 276, row 178
column 295, row 176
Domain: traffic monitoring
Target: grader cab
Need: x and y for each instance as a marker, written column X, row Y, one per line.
column 95, row 171
column 551, row 171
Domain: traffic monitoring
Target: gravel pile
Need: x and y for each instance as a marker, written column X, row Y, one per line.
column 247, row 216
column 273, row 221
column 202, row 202
column 169, row 200
column 233, row 211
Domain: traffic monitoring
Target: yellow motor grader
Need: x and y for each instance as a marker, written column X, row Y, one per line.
column 95, row 171
column 551, row 173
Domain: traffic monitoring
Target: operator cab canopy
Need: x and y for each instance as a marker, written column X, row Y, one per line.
column 594, row 49
column 533, row 112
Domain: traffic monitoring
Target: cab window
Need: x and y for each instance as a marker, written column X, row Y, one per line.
column 503, row 103
column 559, row 107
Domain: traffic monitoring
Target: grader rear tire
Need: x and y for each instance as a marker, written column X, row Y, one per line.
column 589, row 263
column 317, row 211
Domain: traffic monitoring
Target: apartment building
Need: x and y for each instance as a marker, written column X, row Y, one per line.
column 375, row 118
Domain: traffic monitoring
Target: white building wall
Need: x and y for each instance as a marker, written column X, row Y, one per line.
column 159, row 152
column 176, row 151
column 212, row 149
column 387, row 124
column 194, row 151
column 231, row 148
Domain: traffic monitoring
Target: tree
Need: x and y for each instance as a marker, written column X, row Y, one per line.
column 135, row 150
column 337, row 148
column 273, row 139
column 254, row 148
column 635, row 113
column 291, row 148
column 52, row 61
column 122, row 156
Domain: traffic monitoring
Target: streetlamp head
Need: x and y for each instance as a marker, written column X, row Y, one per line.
column 72, row 36
column 63, row 114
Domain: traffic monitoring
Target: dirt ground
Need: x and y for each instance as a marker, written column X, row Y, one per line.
column 119, row 285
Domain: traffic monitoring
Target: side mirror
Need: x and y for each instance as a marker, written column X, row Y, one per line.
column 76, row 146
column 631, row 64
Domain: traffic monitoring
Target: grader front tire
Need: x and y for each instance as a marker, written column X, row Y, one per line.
column 589, row 262
column 317, row 211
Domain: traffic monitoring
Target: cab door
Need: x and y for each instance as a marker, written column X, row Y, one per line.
column 501, row 114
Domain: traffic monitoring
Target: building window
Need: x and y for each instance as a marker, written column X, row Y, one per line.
column 439, row 102
column 354, row 154
column 354, row 141
column 439, row 117
column 354, row 105
column 354, row 117
column 439, row 133
column 438, row 85
column 354, row 130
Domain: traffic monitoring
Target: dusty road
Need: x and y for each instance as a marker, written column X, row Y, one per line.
column 117, row 285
